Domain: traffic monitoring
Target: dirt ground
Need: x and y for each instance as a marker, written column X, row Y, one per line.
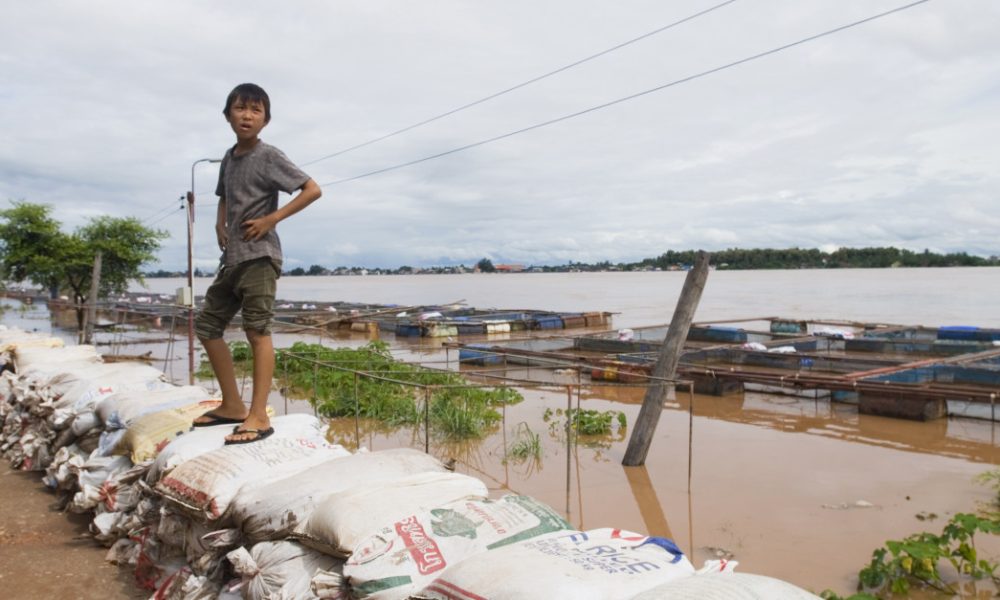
column 47, row 553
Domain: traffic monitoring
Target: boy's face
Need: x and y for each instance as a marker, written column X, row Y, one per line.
column 247, row 118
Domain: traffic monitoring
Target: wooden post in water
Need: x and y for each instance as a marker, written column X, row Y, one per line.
column 666, row 364
column 95, row 283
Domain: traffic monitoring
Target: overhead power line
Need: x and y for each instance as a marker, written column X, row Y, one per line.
column 164, row 217
column 159, row 215
column 632, row 96
column 521, row 85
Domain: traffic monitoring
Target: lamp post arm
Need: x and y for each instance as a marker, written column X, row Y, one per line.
column 190, row 270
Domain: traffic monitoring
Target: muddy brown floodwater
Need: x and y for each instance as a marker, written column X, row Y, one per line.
column 799, row 489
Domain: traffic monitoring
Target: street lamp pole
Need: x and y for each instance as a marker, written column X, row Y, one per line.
column 189, row 294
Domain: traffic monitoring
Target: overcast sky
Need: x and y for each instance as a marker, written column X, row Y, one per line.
column 882, row 134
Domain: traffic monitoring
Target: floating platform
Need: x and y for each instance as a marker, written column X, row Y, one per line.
column 903, row 371
column 455, row 321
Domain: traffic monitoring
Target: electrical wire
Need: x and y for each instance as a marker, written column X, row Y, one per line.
column 676, row 82
column 169, row 207
column 164, row 217
column 521, row 85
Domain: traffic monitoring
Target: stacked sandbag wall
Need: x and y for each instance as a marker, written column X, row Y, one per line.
column 293, row 516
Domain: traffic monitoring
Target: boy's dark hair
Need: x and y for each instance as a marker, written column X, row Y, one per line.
column 249, row 92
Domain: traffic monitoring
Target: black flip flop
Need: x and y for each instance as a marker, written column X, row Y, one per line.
column 216, row 420
column 258, row 435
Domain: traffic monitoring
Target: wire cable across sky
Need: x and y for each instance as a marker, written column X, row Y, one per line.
column 521, row 85
column 676, row 82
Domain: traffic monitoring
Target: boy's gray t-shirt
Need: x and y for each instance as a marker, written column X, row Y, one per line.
column 250, row 184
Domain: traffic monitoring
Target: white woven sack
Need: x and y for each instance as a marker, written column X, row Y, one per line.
column 83, row 391
column 344, row 518
column 274, row 510
column 201, row 440
column 42, row 358
column 12, row 339
column 91, row 475
column 727, row 586
column 120, row 409
column 602, row 564
column 404, row 556
column 148, row 434
column 204, row 486
column 76, row 394
column 272, row 570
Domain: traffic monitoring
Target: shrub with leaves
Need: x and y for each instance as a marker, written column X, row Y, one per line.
column 914, row 562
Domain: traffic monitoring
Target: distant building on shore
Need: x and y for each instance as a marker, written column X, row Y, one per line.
column 509, row 268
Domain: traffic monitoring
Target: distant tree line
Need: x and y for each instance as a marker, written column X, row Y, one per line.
column 733, row 258
column 812, row 258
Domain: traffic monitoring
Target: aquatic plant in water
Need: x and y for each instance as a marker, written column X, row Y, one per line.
column 242, row 357
column 526, row 444
column 369, row 382
column 586, row 421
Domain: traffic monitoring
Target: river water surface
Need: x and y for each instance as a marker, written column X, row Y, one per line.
column 799, row 489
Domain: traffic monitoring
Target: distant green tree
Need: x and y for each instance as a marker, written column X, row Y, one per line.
column 297, row 272
column 125, row 245
column 316, row 270
column 35, row 249
column 31, row 246
column 485, row 265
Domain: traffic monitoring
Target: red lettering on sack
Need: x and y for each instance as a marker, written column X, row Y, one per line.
column 425, row 552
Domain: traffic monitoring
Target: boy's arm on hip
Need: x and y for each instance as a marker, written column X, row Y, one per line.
column 255, row 229
column 308, row 193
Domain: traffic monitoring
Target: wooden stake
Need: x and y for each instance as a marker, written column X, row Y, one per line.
column 666, row 364
column 95, row 282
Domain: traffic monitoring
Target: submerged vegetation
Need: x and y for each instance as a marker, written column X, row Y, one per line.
column 526, row 444
column 585, row 421
column 916, row 561
column 369, row 382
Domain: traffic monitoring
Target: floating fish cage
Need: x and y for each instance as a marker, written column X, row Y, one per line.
column 905, row 371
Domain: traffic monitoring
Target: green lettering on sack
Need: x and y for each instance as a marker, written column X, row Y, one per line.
column 548, row 521
column 377, row 585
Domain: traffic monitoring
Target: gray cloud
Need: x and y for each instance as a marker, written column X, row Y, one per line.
column 880, row 135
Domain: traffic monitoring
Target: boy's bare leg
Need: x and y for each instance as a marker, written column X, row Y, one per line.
column 222, row 364
column 263, row 373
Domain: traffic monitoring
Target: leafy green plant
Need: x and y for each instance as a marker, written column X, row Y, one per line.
column 369, row 382
column 585, row 421
column 242, row 356
column 992, row 479
column 241, row 351
column 914, row 562
column 526, row 444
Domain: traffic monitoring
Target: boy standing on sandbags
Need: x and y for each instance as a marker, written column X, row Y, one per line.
column 250, row 177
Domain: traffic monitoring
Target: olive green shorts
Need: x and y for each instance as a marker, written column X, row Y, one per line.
column 248, row 287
